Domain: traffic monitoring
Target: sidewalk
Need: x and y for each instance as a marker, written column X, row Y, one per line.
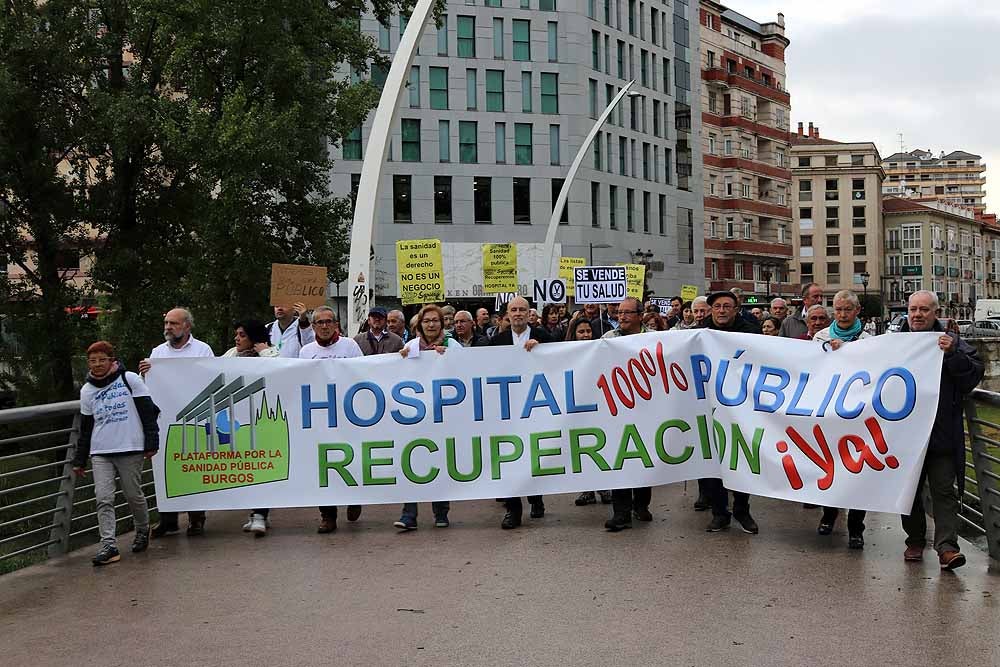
column 559, row 591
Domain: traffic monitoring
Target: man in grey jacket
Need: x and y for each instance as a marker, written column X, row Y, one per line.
column 794, row 326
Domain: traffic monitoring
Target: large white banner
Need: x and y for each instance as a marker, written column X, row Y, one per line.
column 770, row 416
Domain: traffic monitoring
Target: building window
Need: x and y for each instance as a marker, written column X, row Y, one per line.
column 644, row 68
column 613, row 206
column 738, row 270
column 547, row 5
column 442, row 199
column 526, row 92
column 482, row 194
column 522, row 200
column 411, row 140
column 470, row 89
column 550, row 93
column 597, row 155
column 911, row 238
column 498, row 38
column 383, row 38
column 554, row 144
column 857, row 216
column 745, row 189
column 832, row 244
column 830, row 160
column 352, row 145
column 401, row 201
column 442, row 37
column 553, row 42
column 860, row 245
column 805, row 213
column 857, row 160
column 831, row 190
column 494, row 90
column 833, row 272
column 622, row 155
column 466, row 37
column 806, row 240
column 730, row 228
column 630, row 209
column 621, row 59
column 439, row 87
column 595, row 204
column 444, row 141
column 832, row 217
column 747, row 228
column 805, row 161
column 805, row 190
column 557, row 184
column 522, row 143
column 645, row 161
column 414, row 87
column 468, row 148
column 501, row 143
column 857, row 189
column 592, row 97
column 522, row 39
column 595, row 50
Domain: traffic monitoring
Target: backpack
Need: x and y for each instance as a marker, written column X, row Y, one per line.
column 156, row 408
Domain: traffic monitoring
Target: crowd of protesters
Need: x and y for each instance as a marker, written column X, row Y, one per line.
column 117, row 439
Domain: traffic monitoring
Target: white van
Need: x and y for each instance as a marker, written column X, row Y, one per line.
column 987, row 309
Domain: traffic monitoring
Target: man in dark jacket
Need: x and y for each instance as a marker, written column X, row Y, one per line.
column 466, row 333
column 521, row 334
column 726, row 317
column 961, row 371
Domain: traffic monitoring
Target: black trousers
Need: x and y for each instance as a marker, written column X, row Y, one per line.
column 170, row 518
column 514, row 505
column 855, row 519
column 718, row 495
column 623, row 501
column 330, row 511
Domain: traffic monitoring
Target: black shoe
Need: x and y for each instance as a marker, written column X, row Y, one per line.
column 353, row 512
column 161, row 529
column 642, row 514
column 825, row 528
column 196, row 528
column 718, row 523
column 809, row 506
column 702, row 504
column 856, row 542
column 747, row 523
column 618, row 522
column 605, row 497
column 537, row 510
column 106, row 555
column 585, row 498
column 510, row 520
column 141, row 541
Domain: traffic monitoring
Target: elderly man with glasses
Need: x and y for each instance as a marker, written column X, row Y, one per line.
column 626, row 502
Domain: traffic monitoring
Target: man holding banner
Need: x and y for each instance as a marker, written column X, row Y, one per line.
column 944, row 465
column 521, row 335
column 625, row 502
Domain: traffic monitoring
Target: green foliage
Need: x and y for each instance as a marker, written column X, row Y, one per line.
column 190, row 138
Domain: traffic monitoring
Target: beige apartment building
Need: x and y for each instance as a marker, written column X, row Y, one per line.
column 745, row 142
column 956, row 178
column 837, row 235
column 934, row 246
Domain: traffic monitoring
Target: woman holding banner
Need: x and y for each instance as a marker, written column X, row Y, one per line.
column 580, row 329
column 431, row 336
column 845, row 328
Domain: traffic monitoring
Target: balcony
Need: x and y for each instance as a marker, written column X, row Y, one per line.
column 748, row 163
column 749, row 206
column 754, row 126
column 721, row 78
column 750, row 247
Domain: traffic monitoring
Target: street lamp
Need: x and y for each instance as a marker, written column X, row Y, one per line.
column 765, row 271
column 598, row 246
column 548, row 250
column 865, row 277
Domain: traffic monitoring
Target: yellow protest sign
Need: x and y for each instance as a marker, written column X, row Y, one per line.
column 421, row 271
column 635, row 275
column 566, row 266
column 499, row 268
column 689, row 292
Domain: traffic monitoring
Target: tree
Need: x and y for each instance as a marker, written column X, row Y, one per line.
column 183, row 144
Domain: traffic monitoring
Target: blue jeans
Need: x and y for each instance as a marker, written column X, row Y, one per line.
column 440, row 510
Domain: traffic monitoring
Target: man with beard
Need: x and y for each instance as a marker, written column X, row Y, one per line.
column 179, row 343
column 290, row 330
column 521, row 335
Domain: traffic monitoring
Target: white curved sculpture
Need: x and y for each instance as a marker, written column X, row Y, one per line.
column 359, row 264
column 548, row 250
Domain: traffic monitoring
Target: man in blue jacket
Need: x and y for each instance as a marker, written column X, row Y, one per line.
column 944, row 465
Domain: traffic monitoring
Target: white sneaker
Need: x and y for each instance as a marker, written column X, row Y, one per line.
column 258, row 526
column 248, row 526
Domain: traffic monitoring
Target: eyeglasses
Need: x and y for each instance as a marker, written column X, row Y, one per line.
column 324, row 323
column 628, row 312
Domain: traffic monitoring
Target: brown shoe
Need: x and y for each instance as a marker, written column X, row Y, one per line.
column 327, row 526
column 952, row 560
column 353, row 512
column 913, row 554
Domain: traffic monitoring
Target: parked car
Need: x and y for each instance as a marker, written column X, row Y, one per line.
column 964, row 326
column 896, row 322
column 984, row 329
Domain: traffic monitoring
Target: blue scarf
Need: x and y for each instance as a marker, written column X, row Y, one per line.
column 846, row 334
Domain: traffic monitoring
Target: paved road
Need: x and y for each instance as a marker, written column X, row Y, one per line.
column 559, row 591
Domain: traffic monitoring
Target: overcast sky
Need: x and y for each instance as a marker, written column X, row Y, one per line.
column 867, row 71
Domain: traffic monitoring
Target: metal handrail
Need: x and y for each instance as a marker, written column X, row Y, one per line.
column 984, row 517
column 45, row 514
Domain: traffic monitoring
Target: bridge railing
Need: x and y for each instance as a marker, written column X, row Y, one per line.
column 44, row 509
column 981, row 500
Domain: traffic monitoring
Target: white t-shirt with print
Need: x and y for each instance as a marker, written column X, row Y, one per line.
column 117, row 427
column 344, row 348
